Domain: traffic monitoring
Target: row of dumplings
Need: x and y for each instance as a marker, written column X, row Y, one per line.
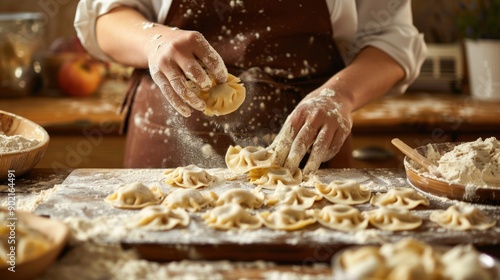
column 410, row 259
column 230, row 210
column 349, row 192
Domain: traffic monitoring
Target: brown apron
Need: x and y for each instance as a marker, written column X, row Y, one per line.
column 281, row 50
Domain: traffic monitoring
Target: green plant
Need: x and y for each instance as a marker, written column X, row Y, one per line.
column 479, row 19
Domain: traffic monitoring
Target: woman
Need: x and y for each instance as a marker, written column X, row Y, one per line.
column 309, row 62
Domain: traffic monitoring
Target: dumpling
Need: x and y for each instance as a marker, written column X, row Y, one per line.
column 245, row 198
column 405, row 198
column 462, row 262
column 287, row 218
column 270, row 178
column 241, row 160
column 292, row 195
column 393, row 219
column 340, row 217
column 188, row 199
column 157, row 218
column 347, row 192
column 225, row 98
column 190, row 176
column 230, row 216
column 135, row 196
column 462, row 217
column 363, row 262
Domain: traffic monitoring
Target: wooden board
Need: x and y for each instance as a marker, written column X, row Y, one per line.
column 82, row 194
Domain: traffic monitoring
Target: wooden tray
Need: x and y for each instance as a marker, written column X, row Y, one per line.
column 444, row 189
column 81, row 197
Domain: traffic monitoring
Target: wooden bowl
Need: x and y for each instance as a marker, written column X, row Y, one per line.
column 57, row 232
column 444, row 189
column 20, row 162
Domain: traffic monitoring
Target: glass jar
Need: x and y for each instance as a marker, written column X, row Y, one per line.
column 21, row 37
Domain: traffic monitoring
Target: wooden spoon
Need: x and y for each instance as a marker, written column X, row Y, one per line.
column 416, row 156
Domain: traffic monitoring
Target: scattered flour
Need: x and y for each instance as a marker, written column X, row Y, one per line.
column 16, row 143
column 472, row 164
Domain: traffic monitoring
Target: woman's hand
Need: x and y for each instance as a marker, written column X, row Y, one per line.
column 321, row 122
column 178, row 59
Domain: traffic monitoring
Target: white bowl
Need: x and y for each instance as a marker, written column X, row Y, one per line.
column 22, row 161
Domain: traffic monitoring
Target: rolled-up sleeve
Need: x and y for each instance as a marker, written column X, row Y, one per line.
column 88, row 11
column 388, row 26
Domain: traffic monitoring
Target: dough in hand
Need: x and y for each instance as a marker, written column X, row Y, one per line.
column 188, row 199
column 157, row 218
column 188, row 177
column 225, row 98
column 405, row 198
column 462, row 217
column 287, row 218
column 231, row 216
column 340, row 217
column 393, row 219
column 241, row 160
column 245, row 198
column 292, row 195
column 135, row 196
column 271, row 178
column 347, row 192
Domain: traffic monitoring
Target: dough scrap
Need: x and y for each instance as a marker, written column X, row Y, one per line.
column 393, row 219
column 340, row 217
column 287, row 217
column 292, row 195
column 347, row 192
column 158, row 218
column 462, row 217
column 245, row 198
column 135, row 196
column 405, row 198
column 229, row 216
column 242, row 160
column 191, row 200
column 190, row 176
column 225, row 98
column 271, row 178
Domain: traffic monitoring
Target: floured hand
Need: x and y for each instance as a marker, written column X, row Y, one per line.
column 321, row 122
column 181, row 64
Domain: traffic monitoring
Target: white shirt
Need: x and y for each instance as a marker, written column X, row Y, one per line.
column 384, row 24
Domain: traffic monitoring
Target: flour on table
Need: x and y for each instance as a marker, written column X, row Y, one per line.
column 15, row 143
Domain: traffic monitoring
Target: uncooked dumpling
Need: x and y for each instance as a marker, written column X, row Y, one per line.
column 462, row 217
column 158, row 217
column 462, row 262
column 347, row 192
column 393, row 219
column 340, row 217
column 364, row 262
column 188, row 199
column 224, row 98
column 287, row 218
column 245, row 198
column 241, row 160
column 292, row 195
column 229, row 216
column 188, row 177
column 271, row 178
column 135, row 196
column 405, row 198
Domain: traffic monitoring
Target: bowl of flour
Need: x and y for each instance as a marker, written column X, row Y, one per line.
column 22, row 144
column 468, row 171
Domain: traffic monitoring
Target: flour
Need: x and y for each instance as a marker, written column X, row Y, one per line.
column 16, row 143
column 473, row 164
